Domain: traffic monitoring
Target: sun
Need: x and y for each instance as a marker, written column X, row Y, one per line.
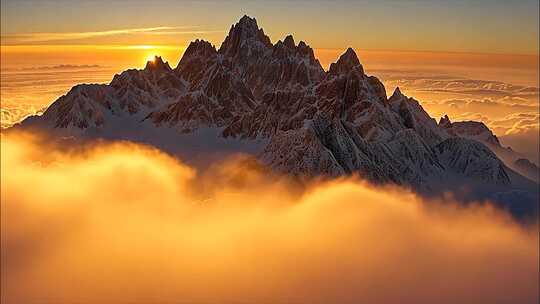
column 151, row 58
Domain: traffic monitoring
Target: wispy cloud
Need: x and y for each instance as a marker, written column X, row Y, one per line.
column 32, row 38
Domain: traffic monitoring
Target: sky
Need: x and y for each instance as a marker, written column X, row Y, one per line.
column 128, row 32
column 487, row 26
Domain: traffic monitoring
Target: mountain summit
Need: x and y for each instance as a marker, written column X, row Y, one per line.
column 276, row 102
column 346, row 62
column 245, row 39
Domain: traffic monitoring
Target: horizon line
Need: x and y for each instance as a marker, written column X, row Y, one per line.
column 184, row 46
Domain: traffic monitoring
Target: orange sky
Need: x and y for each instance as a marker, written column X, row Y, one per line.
column 481, row 26
column 125, row 56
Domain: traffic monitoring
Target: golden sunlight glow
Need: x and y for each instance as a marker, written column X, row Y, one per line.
column 120, row 57
column 141, row 47
column 151, row 58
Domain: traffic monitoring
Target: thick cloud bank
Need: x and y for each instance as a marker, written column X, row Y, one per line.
column 122, row 223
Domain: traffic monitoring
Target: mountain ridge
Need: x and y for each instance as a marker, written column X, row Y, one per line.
column 312, row 122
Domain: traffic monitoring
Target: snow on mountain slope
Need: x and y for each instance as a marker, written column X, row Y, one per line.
column 472, row 159
column 305, row 121
column 129, row 94
column 479, row 132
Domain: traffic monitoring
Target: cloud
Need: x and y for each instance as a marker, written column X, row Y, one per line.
column 529, row 123
column 12, row 115
column 41, row 37
column 516, row 121
column 64, row 67
column 507, row 104
column 124, row 223
column 447, row 84
column 55, row 67
column 474, row 116
column 521, row 134
column 32, row 38
column 524, row 140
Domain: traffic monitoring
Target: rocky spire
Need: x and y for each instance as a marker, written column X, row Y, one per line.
column 306, row 50
column 198, row 56
column 199, row 50
column 157, row 65
column 346, row 63
column 244, row 35
column 445, row 122
column 289, row 42
column 397, row 95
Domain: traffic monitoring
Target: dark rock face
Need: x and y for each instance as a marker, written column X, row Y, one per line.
column 346, row 63
column 472, row 159
column 315, row 122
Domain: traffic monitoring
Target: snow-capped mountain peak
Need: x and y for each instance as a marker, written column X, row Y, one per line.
column 306, row 121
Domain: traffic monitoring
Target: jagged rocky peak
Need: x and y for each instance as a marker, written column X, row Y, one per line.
column 157, row 65
column 245, row 33
column 445, row 122
column 199, row 55
column 397, row 95
column 289, row 42
column 288, row 47
column 199, row 48
column 346, row 62
column 305, row 49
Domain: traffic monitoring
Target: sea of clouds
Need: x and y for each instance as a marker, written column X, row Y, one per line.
column 126, row 223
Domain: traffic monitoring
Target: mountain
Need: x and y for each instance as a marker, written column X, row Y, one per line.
column 275, row 101
column 478, row 131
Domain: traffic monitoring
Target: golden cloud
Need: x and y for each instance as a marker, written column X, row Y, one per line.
column 124, row 223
